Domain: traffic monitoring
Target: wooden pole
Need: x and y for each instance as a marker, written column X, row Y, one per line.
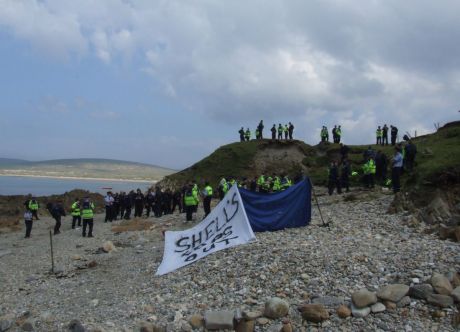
column 52, row 253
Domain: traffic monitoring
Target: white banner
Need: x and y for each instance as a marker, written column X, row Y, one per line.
column 226, row 226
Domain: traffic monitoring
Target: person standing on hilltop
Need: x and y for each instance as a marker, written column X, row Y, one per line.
column 76, row 213
column 260, row 127
column 273, row 130
column 241, row 132
column 87, row 215
column 378, row 134
column 29, row 222
column 247, row 135
column 394, row 134
column 286, row 131
column 334, row 134
column 291, row 130
column 385, row 134
column 280, row 131
column 339, row 134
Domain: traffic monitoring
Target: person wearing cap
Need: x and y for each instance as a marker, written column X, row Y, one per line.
column 87, row 215
column 108, row 201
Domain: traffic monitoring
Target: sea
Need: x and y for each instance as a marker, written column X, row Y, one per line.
column 41, row 186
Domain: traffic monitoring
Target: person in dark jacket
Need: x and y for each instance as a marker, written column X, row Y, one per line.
column 122, row 198
column 333, row 181
column 273, row 130
column 385, row 134
column 116, row 206
column 345, row 172
column 57, row 211
column 157, row 202
column 291, row 130
column 344, row 149
column 177, row 201
column 410, row 151
column 394, row 134
column 241, row 132
column 138, row 203
column 149, row 199
column 260, row 127
column 128, row 204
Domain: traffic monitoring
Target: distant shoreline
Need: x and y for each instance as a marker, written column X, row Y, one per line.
column 78, row 178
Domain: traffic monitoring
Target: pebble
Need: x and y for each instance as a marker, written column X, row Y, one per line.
column 393, row 293
column 441, row 284
column 363, row 298
column 360, row 312
column 276, row 308
column 378, row 307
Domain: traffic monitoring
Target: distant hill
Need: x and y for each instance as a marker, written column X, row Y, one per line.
column 438, row 160
column 84, row 168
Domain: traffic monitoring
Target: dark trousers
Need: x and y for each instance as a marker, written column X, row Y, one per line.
column 274, row 135
column 369, row 180
column 385, row 140
column 379, row 140
column 393, row 140
column 148, row 208
column 280, row 135
column 241, row 138
column 395, row 179
column 334, row 183
column 338, row 138
column 35, row 214
column 189, row 212
column 127, row 213
column 345, row 183
column 57, row 225
column 28, row 227
column 122, row 212
column 108, row 213
column 75, row 220
column 138, row 210
column 290, row 134
column 409, row 163
column 207, row 205
column 88, row 223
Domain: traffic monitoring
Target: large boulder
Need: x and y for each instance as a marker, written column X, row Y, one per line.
column 441, row 284
column 420, row 291
column 456, row 294
column 393, row 293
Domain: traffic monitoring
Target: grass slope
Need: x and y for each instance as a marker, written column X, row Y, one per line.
column 437, row 162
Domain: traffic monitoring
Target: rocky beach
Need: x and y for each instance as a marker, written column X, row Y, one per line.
column 305, row 279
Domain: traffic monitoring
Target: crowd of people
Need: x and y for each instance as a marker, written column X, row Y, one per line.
column 286, row 130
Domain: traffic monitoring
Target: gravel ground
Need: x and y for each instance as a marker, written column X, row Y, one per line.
column 363, row 248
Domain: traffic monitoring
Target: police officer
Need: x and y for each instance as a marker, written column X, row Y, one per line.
column 394, row 134
column 207, row 193
column 260, row 127
column 369, row 172
column 345, row 172
column 397, row 164
column 379, row 135
column 385, row 134
column 87, row 214
column 247, row 134
column 149, row 199
column 57, row 211
column 33, row 207
column 338, row 132
column 108, row 201
column 128, row 204
column 273, row 130
column 138, row 203
column 76, row 213
column 190, row 202
column 291, row 130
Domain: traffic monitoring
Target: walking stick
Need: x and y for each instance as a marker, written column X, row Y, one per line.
column 52, row 254
column 317, row 204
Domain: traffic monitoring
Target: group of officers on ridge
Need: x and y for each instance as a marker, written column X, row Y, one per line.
column 277, row 132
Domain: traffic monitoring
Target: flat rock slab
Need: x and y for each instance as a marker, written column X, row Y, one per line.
column 393, row 293
column 439, row 300
column 441, row 284
column 314, row 312
column 456, row 294
column 219, row 320
column 329, row 301
column 363, row 298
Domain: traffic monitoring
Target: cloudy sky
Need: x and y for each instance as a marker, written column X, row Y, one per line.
column 166, row 82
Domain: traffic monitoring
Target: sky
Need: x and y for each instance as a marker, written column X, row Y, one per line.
column 166, row 82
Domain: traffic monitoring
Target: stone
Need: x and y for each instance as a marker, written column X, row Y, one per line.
column 75, row 326
column 446, row 232
column 363, row 298
column 438, row 314
column 245, row 326
column 92, row 264
column 276, row 308
column 457, row 234
column 389, row 305
column 262, row 321
column 393, row 293
column 197, row 321
column 108, row 246
column 27, row 326
column 287, row 326
column 442, row 301
column 420, row 291
column 404, row 302
column 149, row 327
column 378, row 307
column 343, row 311
column 76, row 257
column 456, row 320
column 441, row 284
column 219, row 320
column 455, row 280
column 275, row 328
column 5, row 324
column 315, row 313
column 251, row 315
column 360, row 312
column 456, row 294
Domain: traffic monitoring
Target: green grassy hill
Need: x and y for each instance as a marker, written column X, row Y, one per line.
column 84, row 168
column 437, row 162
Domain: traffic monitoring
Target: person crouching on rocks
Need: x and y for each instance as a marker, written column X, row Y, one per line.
column 28, row 216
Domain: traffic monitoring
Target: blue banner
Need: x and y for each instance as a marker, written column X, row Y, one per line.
column 275, row 211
